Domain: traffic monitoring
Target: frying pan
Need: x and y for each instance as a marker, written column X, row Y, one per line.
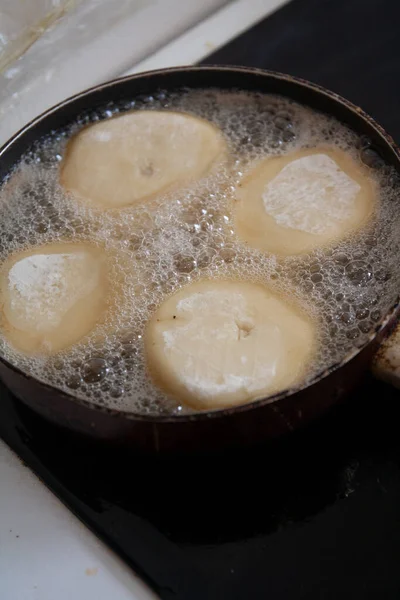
column 250, row 423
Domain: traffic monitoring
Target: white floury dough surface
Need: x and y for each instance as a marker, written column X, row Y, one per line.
column 52, row 296
column 294, row 203
column 215, row 344
column 311, row 194
column 138, row 156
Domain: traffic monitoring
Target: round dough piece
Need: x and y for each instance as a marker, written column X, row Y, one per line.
column 306, row 199
column 216, row 344
column 52, row 296
column 140, row 155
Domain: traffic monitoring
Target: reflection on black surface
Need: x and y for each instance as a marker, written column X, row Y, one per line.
column 321, row 505
column 234, row 496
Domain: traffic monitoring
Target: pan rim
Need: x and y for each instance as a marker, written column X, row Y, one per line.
column 256, row 403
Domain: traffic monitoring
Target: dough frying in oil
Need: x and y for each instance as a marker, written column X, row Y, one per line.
column 52, row 296
column 307, row 199
column 216, row 344
column 138, row 156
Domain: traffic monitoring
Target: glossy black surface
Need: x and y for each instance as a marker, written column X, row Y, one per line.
column 313, row 516
column 348, row 46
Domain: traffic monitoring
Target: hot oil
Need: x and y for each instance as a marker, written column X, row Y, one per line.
column 189, row 234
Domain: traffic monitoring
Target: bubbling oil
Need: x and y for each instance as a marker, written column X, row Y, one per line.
column 189, row 234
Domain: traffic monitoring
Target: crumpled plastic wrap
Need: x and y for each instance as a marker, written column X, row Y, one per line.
column 38, row 38
column 22, row 22
column 51, row 49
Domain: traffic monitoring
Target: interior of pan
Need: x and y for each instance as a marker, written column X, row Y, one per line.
column 227, row 78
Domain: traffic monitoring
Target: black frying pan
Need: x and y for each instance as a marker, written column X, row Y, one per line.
column 253, row 422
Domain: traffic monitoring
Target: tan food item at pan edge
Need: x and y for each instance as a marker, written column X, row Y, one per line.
column 138, row 156
column 52, row 296
column 217, row 344
column 307, row 199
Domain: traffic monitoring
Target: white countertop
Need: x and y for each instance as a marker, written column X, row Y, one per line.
column 45, row 551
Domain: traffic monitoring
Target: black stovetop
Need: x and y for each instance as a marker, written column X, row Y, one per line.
column 313, row 516
column 349, row 46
